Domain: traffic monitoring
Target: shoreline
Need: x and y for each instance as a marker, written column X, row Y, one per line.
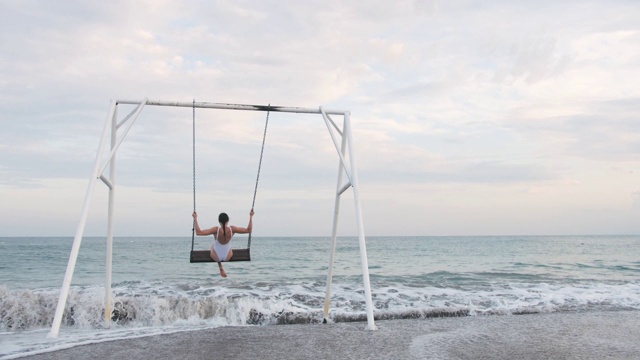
column 581, row 335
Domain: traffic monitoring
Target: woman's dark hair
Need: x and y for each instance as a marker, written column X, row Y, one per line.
column 223, row 219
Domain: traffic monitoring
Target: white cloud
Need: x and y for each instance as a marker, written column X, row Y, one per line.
column 507, row 115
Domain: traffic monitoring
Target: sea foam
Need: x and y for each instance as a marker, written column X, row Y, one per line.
column 140, row 304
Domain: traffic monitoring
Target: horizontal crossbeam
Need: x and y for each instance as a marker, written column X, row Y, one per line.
column 208, row 105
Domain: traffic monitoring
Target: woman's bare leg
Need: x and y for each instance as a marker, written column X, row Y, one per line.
column 215, row 258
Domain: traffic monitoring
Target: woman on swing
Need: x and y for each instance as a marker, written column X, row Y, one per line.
column 221, row 249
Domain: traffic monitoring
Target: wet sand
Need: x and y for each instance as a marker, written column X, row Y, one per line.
column 591, row 335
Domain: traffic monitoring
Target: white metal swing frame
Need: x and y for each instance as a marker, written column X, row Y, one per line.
column 112, row 126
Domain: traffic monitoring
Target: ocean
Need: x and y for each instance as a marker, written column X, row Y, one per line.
column 156, row 290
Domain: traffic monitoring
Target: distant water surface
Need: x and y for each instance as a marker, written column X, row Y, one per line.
column 157, row 290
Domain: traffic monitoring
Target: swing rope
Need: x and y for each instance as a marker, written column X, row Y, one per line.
column 193, row 230
column 255, row 191
column 205, row 257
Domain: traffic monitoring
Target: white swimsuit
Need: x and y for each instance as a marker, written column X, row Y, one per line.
column 222, row 250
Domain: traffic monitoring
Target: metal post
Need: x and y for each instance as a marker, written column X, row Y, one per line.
column 115, row 147
column 66, row 284
column 112, row 181
column 363, row 246
column 334, row 231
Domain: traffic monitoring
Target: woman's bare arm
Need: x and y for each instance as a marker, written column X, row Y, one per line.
column 248, row 229
column 199, row 231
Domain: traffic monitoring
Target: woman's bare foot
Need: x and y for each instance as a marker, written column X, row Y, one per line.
column 222, row 272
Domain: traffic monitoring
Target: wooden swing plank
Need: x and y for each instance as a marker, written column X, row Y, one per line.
column 199, row 256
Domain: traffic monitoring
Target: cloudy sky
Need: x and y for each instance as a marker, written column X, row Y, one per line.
column 470, row 117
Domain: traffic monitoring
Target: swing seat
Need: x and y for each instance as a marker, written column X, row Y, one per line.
column 199, row 256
